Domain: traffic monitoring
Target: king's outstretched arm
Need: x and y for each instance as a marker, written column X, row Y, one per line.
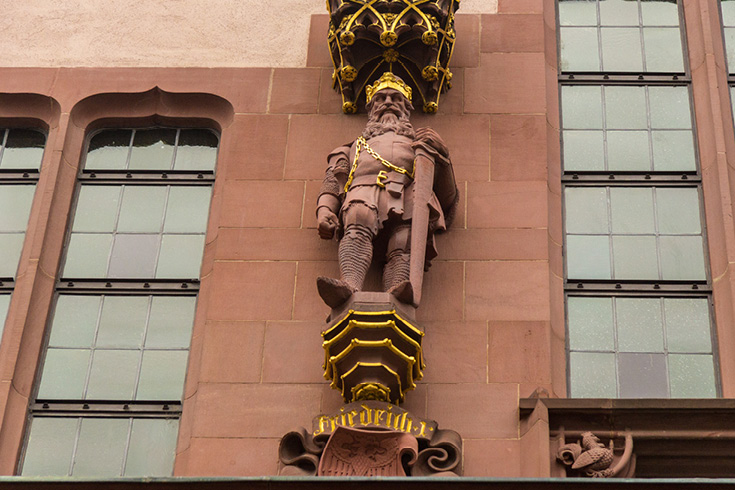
column 332, row 192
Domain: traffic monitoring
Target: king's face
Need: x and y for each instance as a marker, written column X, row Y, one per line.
column 389, row 101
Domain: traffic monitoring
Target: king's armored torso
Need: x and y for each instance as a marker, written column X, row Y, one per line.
column 395, row 149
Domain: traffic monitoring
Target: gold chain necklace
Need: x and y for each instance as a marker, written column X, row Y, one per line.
column 362, row 142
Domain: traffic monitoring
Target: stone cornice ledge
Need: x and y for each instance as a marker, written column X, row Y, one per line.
column 637, row 414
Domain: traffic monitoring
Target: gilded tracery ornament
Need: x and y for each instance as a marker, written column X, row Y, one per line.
column 412, row 38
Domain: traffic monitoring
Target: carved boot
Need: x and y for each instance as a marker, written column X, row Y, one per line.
column 334, row 292
column 396, row 275
column 355, row 256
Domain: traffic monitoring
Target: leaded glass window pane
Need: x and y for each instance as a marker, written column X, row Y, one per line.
column 100, row 447
column 21, row 149
column 108, row 347
column 620, row 36
column 15, row 208
column 649, row 347
column 592, row 375
column 152, row 149
column 4, row 305
column 627, row 128
column 134, row 231
column 655, row 233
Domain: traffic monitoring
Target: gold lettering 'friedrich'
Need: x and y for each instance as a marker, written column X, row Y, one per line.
column 371, row 417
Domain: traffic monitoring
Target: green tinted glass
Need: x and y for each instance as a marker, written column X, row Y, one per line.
column 187, row 210
column 11, row 246
column 50, row 446
column 579, row 49
column 692, row 376
column 632, row 210
column 640, row 324
column 688, row 326
column 588, row 257
column 181, row 256
column 153, row 149
column 15, row 207
column 584, row 150
column 152, row 448
column 88, row 255
column 109, row 150
column 123, row 321
column 634, row 257
column 197, row 150
column 23, row 149
column 590, row 323
column 64, row 374
column 142, row 209
column 587, row 210
column 101, row 447
column 162, row 375
column 75, row 321
column 621, row 49
column 171, row 321
column 4, row 305
column 581, row 107
column 592, row 375
column 113, row 374
column 97, row 209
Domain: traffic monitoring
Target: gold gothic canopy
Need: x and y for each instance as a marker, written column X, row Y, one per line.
column 412, row 38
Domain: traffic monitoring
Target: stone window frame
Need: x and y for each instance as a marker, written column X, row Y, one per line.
column 634, row 288
column 130, row 410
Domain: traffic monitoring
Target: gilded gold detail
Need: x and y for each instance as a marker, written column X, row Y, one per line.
column 430, row 73
column 388, row 38
column 362, row 143
column 347, row 38
column 419, row 33
column 388, row 80
column 370, row 325
column 349, row 107
column 371, row 391
column 429, row 38
column 348, row 73
column 391, row 55
column 431, row 107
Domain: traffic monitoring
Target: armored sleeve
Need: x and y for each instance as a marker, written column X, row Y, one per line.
column 335, row 177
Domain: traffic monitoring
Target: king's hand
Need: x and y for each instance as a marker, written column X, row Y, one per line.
column 327, row 223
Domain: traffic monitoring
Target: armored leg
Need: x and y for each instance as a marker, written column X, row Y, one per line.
column 355, row 255
column 398, row 258
column 397, row 271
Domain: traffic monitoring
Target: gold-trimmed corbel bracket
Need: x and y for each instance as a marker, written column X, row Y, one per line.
column 413, row 39
column 373, row 356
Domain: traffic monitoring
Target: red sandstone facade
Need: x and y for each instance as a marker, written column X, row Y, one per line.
column 493, row 309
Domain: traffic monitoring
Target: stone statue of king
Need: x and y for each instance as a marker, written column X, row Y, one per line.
column 385, row 195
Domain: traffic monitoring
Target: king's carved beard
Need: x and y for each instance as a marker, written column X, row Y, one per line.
column 387, row 121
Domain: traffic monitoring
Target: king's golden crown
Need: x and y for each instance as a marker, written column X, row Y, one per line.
column 388, row 80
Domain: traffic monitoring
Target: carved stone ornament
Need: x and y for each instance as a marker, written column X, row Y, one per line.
column 411, row 38
column 373, row 355
column 371, row 438
column 590, row 458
